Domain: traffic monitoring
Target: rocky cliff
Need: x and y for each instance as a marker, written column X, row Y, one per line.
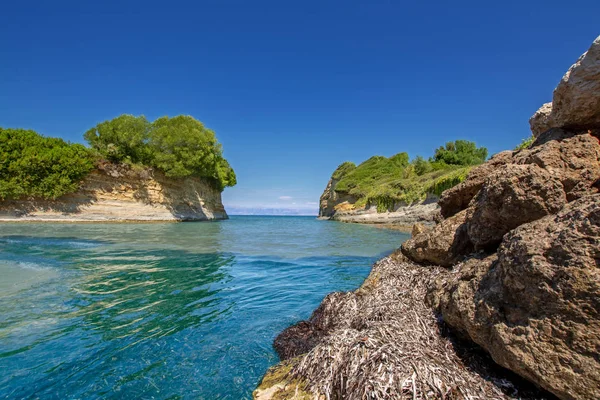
column 501, row 299
column 339, row 206
column 122, row 193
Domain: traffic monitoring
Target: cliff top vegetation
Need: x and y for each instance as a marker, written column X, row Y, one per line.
column 384, row 181
column 34, row 166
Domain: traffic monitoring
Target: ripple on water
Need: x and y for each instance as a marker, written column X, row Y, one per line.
column 164, row 310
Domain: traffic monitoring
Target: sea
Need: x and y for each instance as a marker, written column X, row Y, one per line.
column 165, row 310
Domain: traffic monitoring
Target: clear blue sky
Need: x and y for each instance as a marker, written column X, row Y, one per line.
column 292, row 88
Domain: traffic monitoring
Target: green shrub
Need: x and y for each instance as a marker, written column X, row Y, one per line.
column 33, row 166
column 383, row 182
column 421, row 165
column 461, row 152
column 447, row 181
column 122, row 139
column 180, row 146
column 525, row 143
column 343, row 169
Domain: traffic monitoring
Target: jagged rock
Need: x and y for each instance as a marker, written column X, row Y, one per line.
column 443, row 245
column 541, row 120
column 330, row 199
column 458, row 198
column 511, row 196
column 535, row 307
column 576, row 103
column 572, row 158
column 417, row 229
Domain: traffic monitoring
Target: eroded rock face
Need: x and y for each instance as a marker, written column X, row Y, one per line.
column 511, row 196
column 117, row 192
column 572, row 158
column 443, row 245
column 576, row 103
column 458, row 198
column 535, row 306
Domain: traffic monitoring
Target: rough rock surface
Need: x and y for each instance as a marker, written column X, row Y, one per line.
column 443, row 245
column 458, row 198
column 521, row 243
column 383, row 342
column 572, row 158
column 511, row 196
column 120, row 193
column 575, row 103
column 330, row 199
column 535, row 306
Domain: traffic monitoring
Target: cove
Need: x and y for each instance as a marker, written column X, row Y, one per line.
column 170, row 311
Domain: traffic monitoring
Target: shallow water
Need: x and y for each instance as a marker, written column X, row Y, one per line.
column 165, row 311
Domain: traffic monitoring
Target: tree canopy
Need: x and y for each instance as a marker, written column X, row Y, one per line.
column 180, row 146
column 461, row 152
column 384, row 181
column 35, row 166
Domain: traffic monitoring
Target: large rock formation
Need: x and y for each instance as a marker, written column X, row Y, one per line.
column 535, row 305
column 576, row 103
column 122, row 193
column 521, row 249
column 532, row 297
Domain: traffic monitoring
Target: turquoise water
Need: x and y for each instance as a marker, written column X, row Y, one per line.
column 165, row 311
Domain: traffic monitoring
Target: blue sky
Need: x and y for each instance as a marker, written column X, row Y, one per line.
column 292, row 88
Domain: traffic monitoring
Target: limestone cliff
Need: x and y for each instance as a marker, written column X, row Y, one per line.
column 122, row 193
column 339, row 206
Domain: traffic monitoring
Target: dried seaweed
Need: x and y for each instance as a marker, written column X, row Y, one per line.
column 384, row 342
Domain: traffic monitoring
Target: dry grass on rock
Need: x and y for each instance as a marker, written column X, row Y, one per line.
column 384, row 342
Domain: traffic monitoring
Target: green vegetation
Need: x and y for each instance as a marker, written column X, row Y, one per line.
column 35, row 166
column 180, row 146
column 383, row 181
column 461, row 152
column 525, row 143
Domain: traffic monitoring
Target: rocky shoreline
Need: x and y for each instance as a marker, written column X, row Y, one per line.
column 120, row 193
column 500, row 299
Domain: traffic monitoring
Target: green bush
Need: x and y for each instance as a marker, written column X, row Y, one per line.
column 421, row 165
column 33, row 166
column 525, row 143
column 343, row 169
column 180, row 146
column 122, row 139
column 383, row 182
column 447, row 181
column 461, row 152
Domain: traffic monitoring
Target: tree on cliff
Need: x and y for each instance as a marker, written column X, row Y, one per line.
column 32, row 165
column 124, row 138
column 461, row 152
column 180, row 146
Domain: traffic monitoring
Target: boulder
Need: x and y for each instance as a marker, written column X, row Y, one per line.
column 458, row 198
column 575, row 103
column 511, row 196
column 535, row 306
column 443, row 245
column 572, row 158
